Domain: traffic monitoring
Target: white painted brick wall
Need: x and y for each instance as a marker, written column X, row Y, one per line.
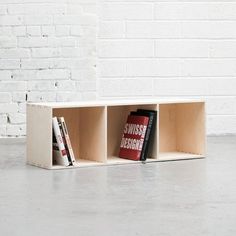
column 46, row 54
column 158, row 48
column 171, row 48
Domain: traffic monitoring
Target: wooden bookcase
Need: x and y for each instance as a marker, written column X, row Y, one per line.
column 95, row 130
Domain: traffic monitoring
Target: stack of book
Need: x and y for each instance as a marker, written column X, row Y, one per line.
column 62, row 150
column 138, row 134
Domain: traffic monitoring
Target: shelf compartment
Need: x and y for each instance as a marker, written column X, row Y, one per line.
column 86, row 127
column 116, row 119
column 182, row 131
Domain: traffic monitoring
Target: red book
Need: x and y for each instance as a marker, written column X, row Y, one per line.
column 133, row 137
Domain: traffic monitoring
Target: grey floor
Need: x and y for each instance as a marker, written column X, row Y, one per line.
column 195, row 197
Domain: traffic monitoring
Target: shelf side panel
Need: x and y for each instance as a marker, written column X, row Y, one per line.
column 116, row 119
column 191, row 128
column 167, row 127
column 92, row 134
column 39, row 136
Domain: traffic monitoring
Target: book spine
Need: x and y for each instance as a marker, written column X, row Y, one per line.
column 63, row 155
column 64, row 140
column 144, row 152
column 67, row 140
column 152, row 134
column 56, row 151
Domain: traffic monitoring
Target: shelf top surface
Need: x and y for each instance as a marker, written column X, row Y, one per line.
column 98, row 103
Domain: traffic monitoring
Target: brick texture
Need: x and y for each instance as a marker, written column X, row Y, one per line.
column 60, row 50
column 171, row 48
column 42, row 44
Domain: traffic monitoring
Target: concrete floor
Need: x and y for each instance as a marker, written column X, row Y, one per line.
column 181, row 198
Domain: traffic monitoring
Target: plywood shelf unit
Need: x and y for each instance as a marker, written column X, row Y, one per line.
column 96, row 128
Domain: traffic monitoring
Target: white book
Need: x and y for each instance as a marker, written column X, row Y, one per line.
column 67, row 141
column 59, row 150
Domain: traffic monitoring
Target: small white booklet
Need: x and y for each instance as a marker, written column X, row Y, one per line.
column 59, row 150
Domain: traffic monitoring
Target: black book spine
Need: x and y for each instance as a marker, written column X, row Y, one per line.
column 144, row 152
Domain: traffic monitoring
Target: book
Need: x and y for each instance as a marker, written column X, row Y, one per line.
column 133, row 137
column 148, row 141
column 56, row 150
column 59, row 150
column 66, row 139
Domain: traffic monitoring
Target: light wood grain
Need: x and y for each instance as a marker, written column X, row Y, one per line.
column 39, row 136
column 182, row 128
column 95, row 131
column 117, row 102
column 92, row 134
column 114, row 160
column 167, row 128
column 170, row 156
column 190, row 128
column 86, row 127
